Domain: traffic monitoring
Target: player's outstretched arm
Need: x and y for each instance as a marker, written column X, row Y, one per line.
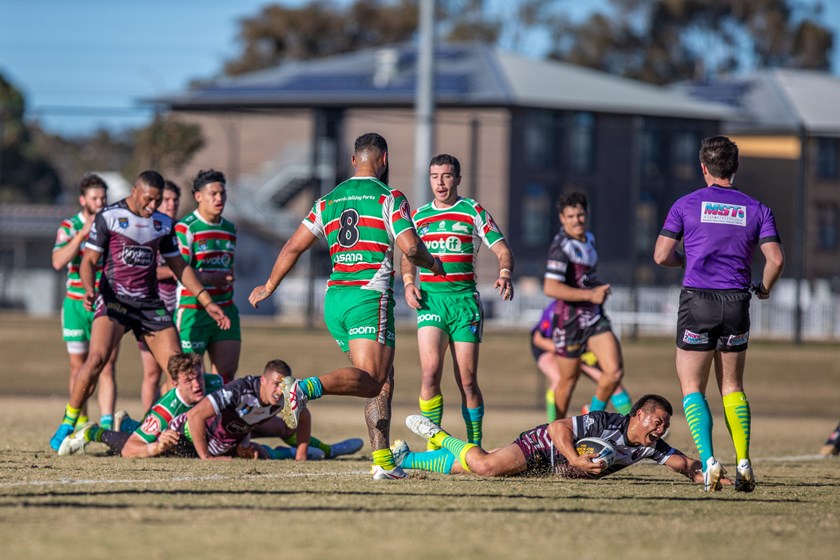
column 413, row 296
column 197, row 420
column 297, row 245
column 187, row 276
column 689, row 467
column 562, row 291
column 87, row 272
column 504, row 284
column 417, row 253
column 563, row 436
column 135, row 446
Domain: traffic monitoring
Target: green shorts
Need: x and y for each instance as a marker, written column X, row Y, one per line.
column 198, row 330
column 459, row 315
column 75, row 321
column 354, row 313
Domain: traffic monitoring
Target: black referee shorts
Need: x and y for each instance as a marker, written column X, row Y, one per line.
column 713, row 320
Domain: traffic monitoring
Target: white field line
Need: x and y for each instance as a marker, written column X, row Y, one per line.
column 789, row 458
column 81, row 482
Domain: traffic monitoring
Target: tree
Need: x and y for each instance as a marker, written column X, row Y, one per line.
column 663, row 41
column 25, row 175
column 319, row 29
column 165, row 144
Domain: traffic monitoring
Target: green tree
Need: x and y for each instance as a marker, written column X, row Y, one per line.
column 25, row 175
column 663, row 41
column 166, row 144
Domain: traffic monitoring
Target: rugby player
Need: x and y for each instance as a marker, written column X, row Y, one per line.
column 167, row 290
column 720, row 227
column 362, row 219
column 152, row 438
column 832, row 444
column 221, row 425
column 550, row 448
column 76, row 321
column 449, row 310
column 127, row 235
column 207, row 242
column 579, row 319
column 544, row 352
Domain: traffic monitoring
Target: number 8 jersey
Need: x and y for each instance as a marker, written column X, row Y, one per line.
column 361, row 218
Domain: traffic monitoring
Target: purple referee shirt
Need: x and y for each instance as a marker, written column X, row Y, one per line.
column 721, row 227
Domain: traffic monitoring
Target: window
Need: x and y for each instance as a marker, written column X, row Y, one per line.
column 540, row 139
column 828, row 227
column 685, row 158
column 582, row 142
column 536, row 216
column 827, row 155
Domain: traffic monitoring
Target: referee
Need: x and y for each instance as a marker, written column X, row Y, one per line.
column 720, row 227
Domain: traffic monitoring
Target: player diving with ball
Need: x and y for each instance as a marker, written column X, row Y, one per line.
column 550, row 448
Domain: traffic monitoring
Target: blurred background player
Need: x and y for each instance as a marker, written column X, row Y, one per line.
column 449, row 310
column 544, row 352
column 550, row 448
column 832, row 444
column 168, row 292
column 720, row 228
column 207, row 242
column 76, row 321
column 127, row 236
column 579, row 319
column 362, row 219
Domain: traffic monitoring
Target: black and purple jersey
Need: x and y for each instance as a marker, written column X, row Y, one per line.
column 574, row 263
column 721, row 227
column 543, row 457
column 131, row 244
column 238, row 411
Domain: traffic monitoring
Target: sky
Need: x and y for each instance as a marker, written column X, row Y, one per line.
column 84, row 64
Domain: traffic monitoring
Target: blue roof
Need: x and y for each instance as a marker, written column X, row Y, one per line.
column 466, row 75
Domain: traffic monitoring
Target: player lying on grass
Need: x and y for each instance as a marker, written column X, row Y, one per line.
column 154, row 435
column 550, row 448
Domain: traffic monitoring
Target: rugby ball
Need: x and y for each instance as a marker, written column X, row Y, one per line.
column 604, row 450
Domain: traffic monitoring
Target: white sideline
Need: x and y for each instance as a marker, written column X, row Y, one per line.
column 80, row 482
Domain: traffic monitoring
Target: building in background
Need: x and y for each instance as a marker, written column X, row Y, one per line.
column 524, row 130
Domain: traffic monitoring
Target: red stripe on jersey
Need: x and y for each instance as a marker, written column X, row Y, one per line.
column 450, row 277
column 455, row 258
column 375, row 223
column 185, row 250
column 348, row 282
column 197, row 306
column 339, row 267
column 77, row 297
column 201, row 235
column 323, row 205
column 381, row 199
column 311, row 217
column 181, row 228
column 67, row 224
column 163, row 413
column 446, row 216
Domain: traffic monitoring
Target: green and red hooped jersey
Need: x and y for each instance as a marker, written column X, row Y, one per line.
column 67, row 231
column 206, row 246
column 361, row 218
column 169, row 406
column 454, row 235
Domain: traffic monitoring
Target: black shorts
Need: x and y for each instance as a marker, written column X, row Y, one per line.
column 570, row 339
column 713, row 320
column 139, row 319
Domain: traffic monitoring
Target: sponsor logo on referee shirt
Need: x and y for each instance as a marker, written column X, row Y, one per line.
column 695, row 338
column 719, row 213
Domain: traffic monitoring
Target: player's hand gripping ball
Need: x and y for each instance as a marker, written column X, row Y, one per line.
column 603, row 450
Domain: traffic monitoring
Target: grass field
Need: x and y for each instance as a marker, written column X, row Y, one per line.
column 103, row 507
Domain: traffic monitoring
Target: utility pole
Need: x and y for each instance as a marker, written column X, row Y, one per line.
column 424, row 102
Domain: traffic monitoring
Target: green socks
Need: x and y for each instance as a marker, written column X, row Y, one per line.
column 473, row 418
column 621, row 402
column 439, row 461
column 737, row 410
column 699, row 419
